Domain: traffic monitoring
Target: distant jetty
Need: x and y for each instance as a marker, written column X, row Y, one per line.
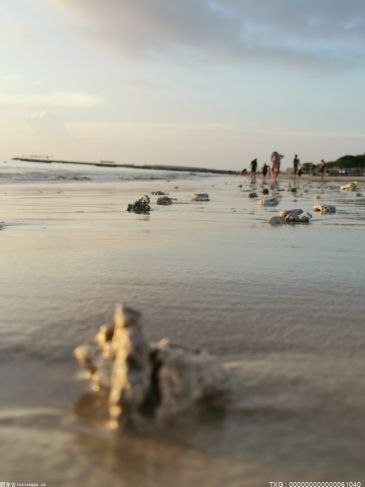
column 156, row 167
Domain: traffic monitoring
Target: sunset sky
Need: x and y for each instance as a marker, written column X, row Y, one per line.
column 194, row 82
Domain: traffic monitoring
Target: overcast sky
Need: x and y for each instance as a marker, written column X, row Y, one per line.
column 198, row 82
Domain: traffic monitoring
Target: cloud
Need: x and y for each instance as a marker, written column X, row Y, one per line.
column 39, row 115
column 9, row 77
column 47, row 126
column 56, row 98
column 312, row 33
column 16, row 32
column 308, row 134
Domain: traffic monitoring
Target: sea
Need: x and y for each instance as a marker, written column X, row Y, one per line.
column 281, row 307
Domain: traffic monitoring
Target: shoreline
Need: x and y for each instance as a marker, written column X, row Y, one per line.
column 287, row 175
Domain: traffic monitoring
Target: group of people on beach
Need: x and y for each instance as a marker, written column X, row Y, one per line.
column 274, row 169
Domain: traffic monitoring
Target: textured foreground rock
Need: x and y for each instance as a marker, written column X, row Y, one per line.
column 157, row 381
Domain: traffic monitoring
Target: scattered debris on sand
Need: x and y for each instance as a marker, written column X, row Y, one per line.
column 200, row 197
column 276, row 220
column 290, row 216
column 164, row 200
column 304, row 217
column 140, row 206
column 352, row 186
column 324, row 209
column 268, row 201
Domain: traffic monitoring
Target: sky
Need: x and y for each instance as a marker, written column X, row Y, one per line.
column 211, row 83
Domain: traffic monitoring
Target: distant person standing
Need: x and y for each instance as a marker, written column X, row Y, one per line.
column 275, row 164
column 264, row 170
column 296, row 165
column 253, row 168
column 322, row 168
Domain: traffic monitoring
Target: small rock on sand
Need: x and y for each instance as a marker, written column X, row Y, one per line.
column 200, row 197
column 164, row 200
column 268, row 201
column 276, row 220
column 324, row 209
column 142, row 205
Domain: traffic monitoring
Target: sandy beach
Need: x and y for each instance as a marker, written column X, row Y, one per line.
column 281, row 307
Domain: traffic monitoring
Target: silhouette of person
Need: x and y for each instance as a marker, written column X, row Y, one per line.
column 322, row 167
column 265, row 168
column 253, row 169
column 296, row 165
column 275, row 164
column 254, row 166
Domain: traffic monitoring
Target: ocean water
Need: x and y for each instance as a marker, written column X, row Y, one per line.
column 14, row 171
column 281, row 307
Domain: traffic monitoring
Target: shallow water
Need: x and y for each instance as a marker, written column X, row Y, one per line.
column 282, row 307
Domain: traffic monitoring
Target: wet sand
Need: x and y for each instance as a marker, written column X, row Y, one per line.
column 282, row 307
